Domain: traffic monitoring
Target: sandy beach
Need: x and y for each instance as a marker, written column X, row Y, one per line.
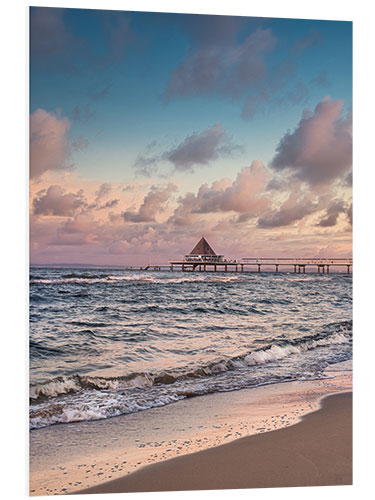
column 112, row 453
column 315, row 452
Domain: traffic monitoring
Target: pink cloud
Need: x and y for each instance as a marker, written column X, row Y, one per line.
column 320, row 148
column 54, row 201
column 82, row 229
column 297, row 206
column 245, row 195
column 103, row 190
column 333, row 211
column 49, row 147
column 154, row 202
column 200, row 149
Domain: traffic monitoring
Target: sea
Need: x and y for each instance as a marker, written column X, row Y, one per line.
column 108, row 342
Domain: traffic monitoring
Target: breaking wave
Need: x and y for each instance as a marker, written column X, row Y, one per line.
column 120, row 278
column 83, row 397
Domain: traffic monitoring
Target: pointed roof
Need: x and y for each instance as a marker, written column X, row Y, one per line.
column 202, row 248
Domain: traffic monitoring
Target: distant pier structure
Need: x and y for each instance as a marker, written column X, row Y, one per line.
column 203, row 259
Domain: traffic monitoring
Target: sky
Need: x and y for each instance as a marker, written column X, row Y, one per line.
column 150, row 130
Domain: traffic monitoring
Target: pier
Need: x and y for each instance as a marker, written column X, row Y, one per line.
column 203, row 259
column 299, row 265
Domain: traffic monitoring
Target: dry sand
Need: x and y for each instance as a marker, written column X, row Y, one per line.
column 314, row 452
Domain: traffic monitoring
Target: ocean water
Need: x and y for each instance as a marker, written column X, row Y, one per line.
column 110, row 342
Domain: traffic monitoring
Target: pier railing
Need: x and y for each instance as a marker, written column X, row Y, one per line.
column 298, row 260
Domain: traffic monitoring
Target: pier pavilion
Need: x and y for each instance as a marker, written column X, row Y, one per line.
column 203, row 258
column 202, row 252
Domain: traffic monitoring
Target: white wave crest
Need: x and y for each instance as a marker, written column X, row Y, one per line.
column 77, row 411
column 55, row 387
column 118, row 278
column 277, row 352
column 65, row 385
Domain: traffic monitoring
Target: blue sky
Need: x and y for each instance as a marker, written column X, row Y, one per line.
column 136, row 90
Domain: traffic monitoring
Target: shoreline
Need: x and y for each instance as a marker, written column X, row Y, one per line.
column 71, row 458
column 317, row 451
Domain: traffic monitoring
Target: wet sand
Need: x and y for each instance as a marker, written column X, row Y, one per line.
column 68, row 458
column 314, row 452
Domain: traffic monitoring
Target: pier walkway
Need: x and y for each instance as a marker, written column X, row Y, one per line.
column 254, row 264
column 249, row 264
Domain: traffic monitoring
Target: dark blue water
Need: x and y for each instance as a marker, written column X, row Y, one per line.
column 108, row 342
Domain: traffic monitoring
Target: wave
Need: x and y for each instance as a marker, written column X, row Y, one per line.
column 38, row 349
column 84, row 275
column 89, row 324
column 77, row 398
column 273, row 352
column 118, row 279
column 75, row 383
column 62, row 413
